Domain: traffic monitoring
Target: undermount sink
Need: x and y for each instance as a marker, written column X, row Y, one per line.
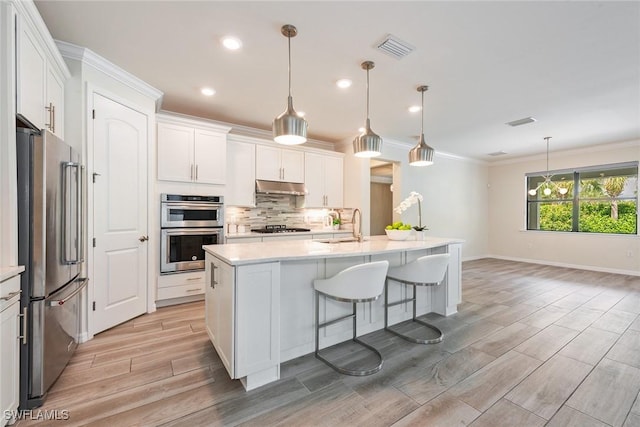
column 337, row 240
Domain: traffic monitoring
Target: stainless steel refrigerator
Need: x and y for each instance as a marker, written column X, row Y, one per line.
column 50, row 246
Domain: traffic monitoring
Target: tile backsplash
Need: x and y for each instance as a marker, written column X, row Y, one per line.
column 281, row 209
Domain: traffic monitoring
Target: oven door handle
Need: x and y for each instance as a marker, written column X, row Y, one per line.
column 56, row 303
column 194, row 207
column 191, row 231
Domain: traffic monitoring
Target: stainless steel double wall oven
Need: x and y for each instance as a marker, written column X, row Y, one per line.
column 188, row 222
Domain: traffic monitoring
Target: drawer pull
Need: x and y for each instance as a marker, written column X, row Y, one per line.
column 193, row 290
column 194, row 278
column 11, row 295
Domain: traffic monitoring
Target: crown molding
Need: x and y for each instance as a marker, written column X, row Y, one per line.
column 28, row 12
column 191, row 121
column 570, row 152
column 88, row 57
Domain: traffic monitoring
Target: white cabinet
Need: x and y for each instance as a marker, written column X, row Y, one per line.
column 189, row 151
column 9, row 347
column 180, row 285
column 40, row 85
column 241, row 174
column 323, row 178
column 242, row 306
column 279, row 164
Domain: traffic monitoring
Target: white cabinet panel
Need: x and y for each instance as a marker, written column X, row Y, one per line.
column 278, row 164
column 220, row 310
column 241, row 174
column 175, row 152
column 32, row 66
column 190, row 152
column 210, row 155
column 323, row 177
column 9, row 348
column 39, row 88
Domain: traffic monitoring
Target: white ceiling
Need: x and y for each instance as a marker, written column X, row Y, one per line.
column 574, row 66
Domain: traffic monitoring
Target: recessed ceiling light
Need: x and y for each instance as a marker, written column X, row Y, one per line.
column 231, row 43
column 344, row 83
column 361, row 129
column 301, row 113
column 415, row 108
column 207, row 91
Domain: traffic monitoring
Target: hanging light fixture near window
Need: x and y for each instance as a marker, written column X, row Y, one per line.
column 289, row 128
column 421, row 154
column 547, row 183
column 367, row 144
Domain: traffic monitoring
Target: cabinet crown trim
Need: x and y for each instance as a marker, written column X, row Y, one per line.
column 88, row 57
column 179, row 119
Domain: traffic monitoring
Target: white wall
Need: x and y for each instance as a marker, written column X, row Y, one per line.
column 454, row 190
column 507, row 212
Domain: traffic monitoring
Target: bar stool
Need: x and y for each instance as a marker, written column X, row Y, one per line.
column 428, row 270
column 360, row 283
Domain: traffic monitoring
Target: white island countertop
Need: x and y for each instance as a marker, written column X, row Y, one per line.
column 261, row 252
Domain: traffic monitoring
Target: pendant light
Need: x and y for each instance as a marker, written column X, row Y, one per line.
column 367, row 144
column 288, row 127
column 547, row 183
column 421, row 154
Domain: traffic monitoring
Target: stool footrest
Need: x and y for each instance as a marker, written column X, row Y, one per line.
column 334, row 321
column 354, row 372
column 418, row 340
column 391, row 304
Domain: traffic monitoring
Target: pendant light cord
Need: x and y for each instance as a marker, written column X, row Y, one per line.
column 367, row 94
column 548, row 138
column 422, row 120
column 289, row 38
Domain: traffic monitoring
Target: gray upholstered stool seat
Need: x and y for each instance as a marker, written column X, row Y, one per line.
column 360, row 283
column 428, row 270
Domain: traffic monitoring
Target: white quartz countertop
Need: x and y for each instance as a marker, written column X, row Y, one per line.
column 297, row 233
column 9, row 272
column 289, row 250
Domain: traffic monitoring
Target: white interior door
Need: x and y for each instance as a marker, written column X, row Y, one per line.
column 120, row 213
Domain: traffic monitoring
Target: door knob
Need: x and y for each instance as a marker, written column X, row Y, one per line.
column 143, row 238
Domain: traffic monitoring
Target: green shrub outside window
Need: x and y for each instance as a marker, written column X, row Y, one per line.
column 598, row 199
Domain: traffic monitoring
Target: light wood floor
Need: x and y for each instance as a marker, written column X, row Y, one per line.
column 531, row 346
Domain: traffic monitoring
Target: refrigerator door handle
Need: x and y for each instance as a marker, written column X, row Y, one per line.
column 55, row 303
column 68, row 210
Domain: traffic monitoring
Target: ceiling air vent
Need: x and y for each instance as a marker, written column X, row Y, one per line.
column 395, row 47
column 521, row 122
column 498, row 153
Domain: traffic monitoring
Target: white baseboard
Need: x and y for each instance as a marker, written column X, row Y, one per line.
column 180, row 300
column 84, row 337
column 566, row 265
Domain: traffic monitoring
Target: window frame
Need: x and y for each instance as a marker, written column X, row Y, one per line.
column 575, row 198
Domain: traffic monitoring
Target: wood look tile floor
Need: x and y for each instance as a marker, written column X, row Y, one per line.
column 531, row 345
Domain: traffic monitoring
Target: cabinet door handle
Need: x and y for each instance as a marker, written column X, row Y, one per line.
column 196, row 172
column 51, row 125
column 53, row 118
column 143, row 238
column 23, row 337
column 283, row 173
column 213, row 276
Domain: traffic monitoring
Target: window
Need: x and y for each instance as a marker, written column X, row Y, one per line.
column 597, row 199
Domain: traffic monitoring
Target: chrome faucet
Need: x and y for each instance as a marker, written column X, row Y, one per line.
column 357, row 235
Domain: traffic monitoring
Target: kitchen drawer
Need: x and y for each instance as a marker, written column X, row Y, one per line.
column 181, row 291
column 7, row 288
column 181, row 279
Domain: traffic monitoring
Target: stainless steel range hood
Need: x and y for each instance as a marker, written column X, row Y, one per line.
column 276, row 187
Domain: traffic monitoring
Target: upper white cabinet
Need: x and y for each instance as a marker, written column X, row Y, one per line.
column 191, row 151
column 40, row 77
column 241, row 174
column 279, row 164
column 323, row 176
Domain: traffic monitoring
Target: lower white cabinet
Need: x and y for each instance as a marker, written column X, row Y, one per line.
column 9, row 348
column 242, row 306
column 180, row 285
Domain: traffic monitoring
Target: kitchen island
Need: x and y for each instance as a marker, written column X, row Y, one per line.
column 259, row 297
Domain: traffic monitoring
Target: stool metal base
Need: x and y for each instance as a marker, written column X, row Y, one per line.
column 417, row 340
column 413, row 319
column 354, row 372
column 340, row 369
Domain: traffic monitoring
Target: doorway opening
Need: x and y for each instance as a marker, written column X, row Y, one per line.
column 381, row 194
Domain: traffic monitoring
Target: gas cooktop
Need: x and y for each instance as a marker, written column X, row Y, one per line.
column 279, row 228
